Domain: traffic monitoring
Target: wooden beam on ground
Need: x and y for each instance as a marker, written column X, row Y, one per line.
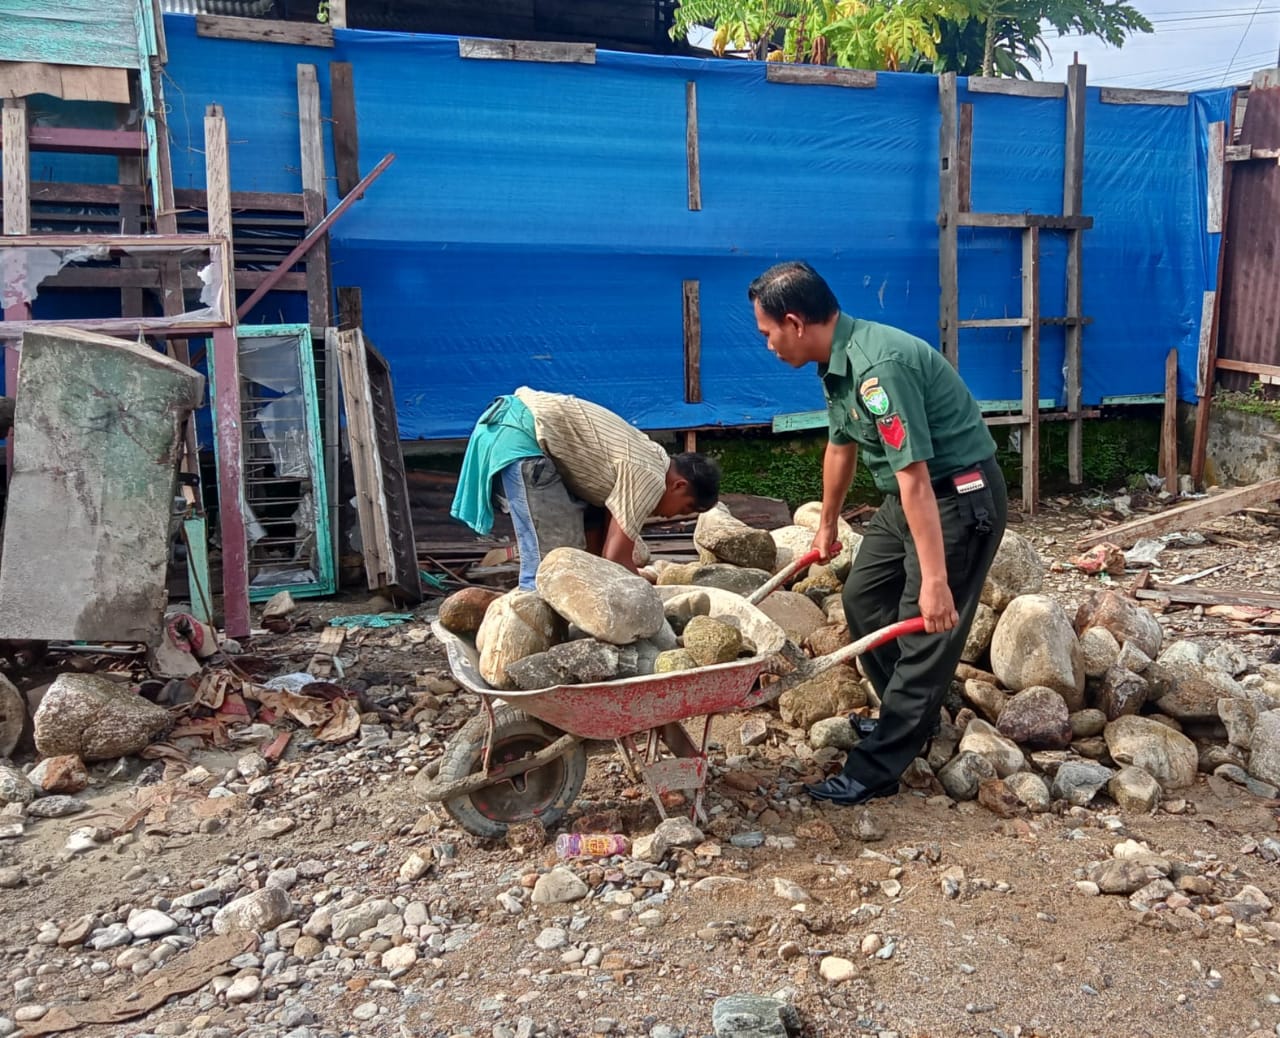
column 226, row 410
column 948, row 216
column 1207, row 596
column 311, row 138
column 1072, row 204
column 1014, row 87
column 692, row 344
column 1031, row 370
column 331, row 639
column 261, row 30
column 346, row 137
column 818, row 75
column 527, row 50
column 1116, row 96
column 1169, row 424
column 1186, row 516
column 691, row 145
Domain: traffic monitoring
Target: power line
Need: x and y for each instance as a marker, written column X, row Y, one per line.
column 1242, row 39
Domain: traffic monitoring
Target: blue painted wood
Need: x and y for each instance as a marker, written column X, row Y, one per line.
column 197, row 539
column 118, row 34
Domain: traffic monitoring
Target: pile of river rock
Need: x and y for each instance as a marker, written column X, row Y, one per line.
column 1053, row 701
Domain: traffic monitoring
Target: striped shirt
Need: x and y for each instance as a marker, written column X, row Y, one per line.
column 604, row 460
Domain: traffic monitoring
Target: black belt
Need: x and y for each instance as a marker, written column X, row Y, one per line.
column 946, row 486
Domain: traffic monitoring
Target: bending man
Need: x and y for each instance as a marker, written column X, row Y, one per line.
column 573, row 474
column 928, row 548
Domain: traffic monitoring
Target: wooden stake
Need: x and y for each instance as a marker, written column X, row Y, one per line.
column 692, row 344
column 948, row 213
column 1031, row 370
column 311, row 137
column 17, row 220
column 691, row 144
column 1072, row 204
column 1169, row 424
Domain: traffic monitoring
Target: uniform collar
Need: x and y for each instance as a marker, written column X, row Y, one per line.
column 838, row 365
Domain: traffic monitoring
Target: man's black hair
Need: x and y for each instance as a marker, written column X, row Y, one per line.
column 794, row 288
column 703, row 476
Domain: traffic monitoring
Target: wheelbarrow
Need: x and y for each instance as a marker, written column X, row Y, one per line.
column 524, row 756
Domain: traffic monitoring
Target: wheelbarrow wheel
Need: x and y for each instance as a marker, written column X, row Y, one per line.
column 545, row 793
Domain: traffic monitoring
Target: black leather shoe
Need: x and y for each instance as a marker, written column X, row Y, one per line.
column 841, row 789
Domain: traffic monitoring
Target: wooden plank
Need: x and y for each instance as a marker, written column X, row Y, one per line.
column 1017, row 221
column 311, row 139
column 260, row 30
column 1182, row 595
column 226, row 408
column 692, row 344
column 87, row 142
column 1245, row 153
column 1031, row 370
column 346, row 137
column 196, row 536
column 964, row 160
column 527, row 50
column 1014, row 87
column 1213, row 200
column 69, row 82
column 1186, row 516
column 1205, row 349
column 185, row 198
column 331, row 639
column 691, row 145
column 1248, row 367
column 948, row 215
column 15, row 175
column 129, row 170
column 1115, row 96
column 1169, row 424
column 361, row 438
column 818, row 75
column 338, row 14
column 1208, row 356
column 995, row 322
column 117, row 242
column 1072, row 203
column 1266, row 78
column 17, row 167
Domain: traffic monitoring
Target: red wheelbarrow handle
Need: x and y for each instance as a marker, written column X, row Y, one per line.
column 810, row 669
column 788, row 571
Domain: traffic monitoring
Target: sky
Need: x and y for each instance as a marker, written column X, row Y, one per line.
column 1197, row 45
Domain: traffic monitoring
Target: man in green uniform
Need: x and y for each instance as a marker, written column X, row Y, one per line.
column 928, row 549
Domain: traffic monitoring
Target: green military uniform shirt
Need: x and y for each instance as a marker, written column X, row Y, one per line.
column 901, row 401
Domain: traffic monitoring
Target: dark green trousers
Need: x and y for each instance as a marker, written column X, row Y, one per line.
column 912, row 675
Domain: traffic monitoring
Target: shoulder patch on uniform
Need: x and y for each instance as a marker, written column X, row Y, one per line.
column 892, row 431
column 876, row 399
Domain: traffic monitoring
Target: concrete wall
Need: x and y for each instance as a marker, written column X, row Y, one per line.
column 1243, row 448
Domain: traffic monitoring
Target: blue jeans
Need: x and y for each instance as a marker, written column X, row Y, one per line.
column 544, row 513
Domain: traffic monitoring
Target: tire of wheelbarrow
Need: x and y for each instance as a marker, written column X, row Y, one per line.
column 545, row 793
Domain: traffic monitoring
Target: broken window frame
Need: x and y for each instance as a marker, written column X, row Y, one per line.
column 324, row 569
column 218, row 313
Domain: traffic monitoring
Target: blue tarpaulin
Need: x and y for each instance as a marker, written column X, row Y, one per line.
column 534, row 227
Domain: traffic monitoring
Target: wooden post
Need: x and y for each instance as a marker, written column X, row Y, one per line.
column 964, row 160
column 1169, row 424
column 314, row 203
column 691, row 144
column 692, row 344
column 338, row 14
column 226, row 406
column 346, row 138
column 1031, row 370
column 1072, row 205
column 948, row 210
column 17, row 220
column 350, row 308
column 690, row 440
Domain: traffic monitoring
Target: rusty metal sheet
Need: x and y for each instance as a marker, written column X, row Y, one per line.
column 1250, row 316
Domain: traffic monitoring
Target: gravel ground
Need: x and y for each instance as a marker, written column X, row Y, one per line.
column 378, row 916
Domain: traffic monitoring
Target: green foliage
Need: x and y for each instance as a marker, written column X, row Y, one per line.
column 1257, row 400
column 970, row 37
column 789, row 467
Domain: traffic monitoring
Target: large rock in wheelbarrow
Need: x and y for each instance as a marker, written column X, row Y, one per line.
column 605, row 600
column 720, row 537
column 517, row 625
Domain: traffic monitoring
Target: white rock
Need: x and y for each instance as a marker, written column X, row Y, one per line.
column 1016, row 570
column 1035, row 644
column 835, row 970
column 1100, row 649
column 552, row 938
column 414, row 868
column 559, row 886
column 262, row 910
column 148, row 922
column 399, row 958
column 1168, row 756
column 789, row 891
column 984, row 740
column 365, row 1011
column 244, row 988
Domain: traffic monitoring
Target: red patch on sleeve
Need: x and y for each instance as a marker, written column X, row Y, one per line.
column 892, row 431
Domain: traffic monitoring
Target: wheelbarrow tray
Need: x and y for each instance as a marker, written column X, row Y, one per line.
column 615, row 709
